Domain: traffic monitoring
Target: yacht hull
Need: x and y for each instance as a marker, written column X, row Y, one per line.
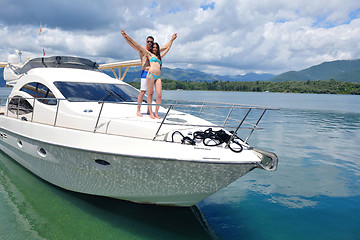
column 137, row 179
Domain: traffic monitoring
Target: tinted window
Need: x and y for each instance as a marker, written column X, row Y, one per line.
column 40, row 91
column 19, row 104
column 74, row 91
column 30, row 88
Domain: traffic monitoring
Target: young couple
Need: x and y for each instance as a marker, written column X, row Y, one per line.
column 150, row 57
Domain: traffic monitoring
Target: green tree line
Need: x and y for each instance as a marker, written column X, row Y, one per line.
column 320, row 86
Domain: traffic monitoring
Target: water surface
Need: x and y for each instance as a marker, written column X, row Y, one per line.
column 314, row 194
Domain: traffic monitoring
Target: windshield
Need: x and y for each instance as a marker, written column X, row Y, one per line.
column 76, row 91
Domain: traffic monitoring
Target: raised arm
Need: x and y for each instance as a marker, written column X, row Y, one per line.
column 168, row 45
column 163, row 48
column 134, row 44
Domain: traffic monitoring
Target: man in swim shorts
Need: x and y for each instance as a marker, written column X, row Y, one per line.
column 145, row 65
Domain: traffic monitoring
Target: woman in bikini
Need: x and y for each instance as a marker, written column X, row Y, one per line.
column 154, row 75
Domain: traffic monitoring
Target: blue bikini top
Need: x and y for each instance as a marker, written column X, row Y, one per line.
column 154, row 59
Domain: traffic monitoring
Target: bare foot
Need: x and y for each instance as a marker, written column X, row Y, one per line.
column 157, row 116
column 139, row 114
column 152, row 116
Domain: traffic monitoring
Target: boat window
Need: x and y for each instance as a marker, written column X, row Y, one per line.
column 41, row 92
column 76, row 91
column 19, row 105
column 30, row 88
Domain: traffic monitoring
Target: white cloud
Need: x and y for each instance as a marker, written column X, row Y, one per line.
column 220, row 36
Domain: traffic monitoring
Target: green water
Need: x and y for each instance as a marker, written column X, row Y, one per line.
column 31, row 208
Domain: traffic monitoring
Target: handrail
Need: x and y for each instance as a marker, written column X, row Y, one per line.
column 235, row 104
column 170, row 107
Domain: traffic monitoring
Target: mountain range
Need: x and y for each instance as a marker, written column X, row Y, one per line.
column 194, row 75
column 340, row 70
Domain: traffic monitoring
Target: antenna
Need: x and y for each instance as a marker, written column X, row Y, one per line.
column 41, row 40
column 19, row 53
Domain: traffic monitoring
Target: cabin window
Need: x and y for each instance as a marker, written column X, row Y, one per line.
column 41, row 92
column 75, row 91
column 30, row 88
column 19, row 106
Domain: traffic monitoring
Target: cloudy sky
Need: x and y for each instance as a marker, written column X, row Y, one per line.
column 216, row 36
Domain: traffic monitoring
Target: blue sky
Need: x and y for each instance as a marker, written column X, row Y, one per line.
column 222, row 37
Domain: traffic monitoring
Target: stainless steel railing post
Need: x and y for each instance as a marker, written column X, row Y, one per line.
column 227, row 117
column 7, row 109
column 57, row 111
column 234, row 133
column 201, row 109
column 156, row 134
column 175, row 104
column 97, row 122
column 32, row 113
column 18, row 108
column 252, row 130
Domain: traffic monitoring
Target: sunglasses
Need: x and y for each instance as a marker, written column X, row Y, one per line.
column 150, row 41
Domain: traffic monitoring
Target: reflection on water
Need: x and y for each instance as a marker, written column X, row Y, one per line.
column 35, row 209
column 315, row 193
column 317, row 152
column 317, row 180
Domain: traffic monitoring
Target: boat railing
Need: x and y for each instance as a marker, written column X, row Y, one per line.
column 223, row 115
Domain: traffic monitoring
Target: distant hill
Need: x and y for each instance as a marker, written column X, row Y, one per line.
column 195, row 75
column 341, row 70
column 179, row 74
column 249, row 77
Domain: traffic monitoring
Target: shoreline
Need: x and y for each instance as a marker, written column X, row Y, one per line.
column 304, row 87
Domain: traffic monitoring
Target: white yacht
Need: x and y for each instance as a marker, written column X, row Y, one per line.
column 76, row 127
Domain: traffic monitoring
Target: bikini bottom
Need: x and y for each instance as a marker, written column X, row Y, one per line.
column 156, row 77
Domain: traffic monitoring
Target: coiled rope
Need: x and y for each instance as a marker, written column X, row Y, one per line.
column 211, row 138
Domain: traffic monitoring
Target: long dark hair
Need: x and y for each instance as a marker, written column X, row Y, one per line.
column 158, row 53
